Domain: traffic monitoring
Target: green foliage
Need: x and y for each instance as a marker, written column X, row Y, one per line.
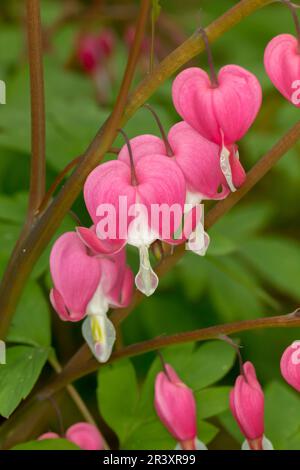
column 252, row 265
column 19, row 374
column 47, row 444
column 31, row 322
column 117, row 396
column 282, row 416
column 128, row 409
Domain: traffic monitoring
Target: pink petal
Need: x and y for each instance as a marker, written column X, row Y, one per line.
column 247, row 404
column 97, row 245
column 175, row 405
column 282, row 64
column 75, row 274
column 86, row 436
column 230, row 107
column 142, row 146
column 48, row 435
column 290, row 365
column 199, row 160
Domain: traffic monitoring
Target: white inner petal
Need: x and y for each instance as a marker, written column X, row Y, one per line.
column 139, row 232
column 226, row 168
column 266, row 444
column 98, row 305
column 100, row 335
column 146, row 280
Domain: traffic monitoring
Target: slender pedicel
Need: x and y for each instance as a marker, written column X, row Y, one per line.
column 134, row 181
column 213, row 74
column 169, row 150
column 293, row 11
column 237, row 349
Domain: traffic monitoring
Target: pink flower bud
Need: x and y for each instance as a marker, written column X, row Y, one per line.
column 48, row 435
column 290, row 365
column 247, row 406
column 86, row 436
column 176, row 407
column 87, row 53
column 282, row 64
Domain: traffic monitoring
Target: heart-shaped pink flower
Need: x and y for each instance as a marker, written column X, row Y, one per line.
column 282, row 64
column 131, row 195
column 222, row 114
column 86, row 285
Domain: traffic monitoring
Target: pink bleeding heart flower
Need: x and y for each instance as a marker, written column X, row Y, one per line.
column 198, row 158
column 282, row 64
column 290, row 365
column 223, row 113
column 192, row 226
column 247, row 406
column 120, row 200
column 87, row 53
column 85, row 286
column 93, row 50
column 175, row 405
column 84, row 435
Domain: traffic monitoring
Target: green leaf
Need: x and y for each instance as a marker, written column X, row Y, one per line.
column 208, row 364
column 244, row 221
column 117, row 395
column 18, row 375
column 206, row 431
column 282, row 412
column 47, row 444
column 31, row 322
column 232, row 298
column 193, row 276
column 220, row 244
column 229, row 423
column 278, row 260
column 212, row 401
column 150, row 436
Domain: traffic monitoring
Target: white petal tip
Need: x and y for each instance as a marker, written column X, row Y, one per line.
column 100, row 335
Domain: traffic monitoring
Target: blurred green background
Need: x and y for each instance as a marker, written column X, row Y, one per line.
column 252, row 267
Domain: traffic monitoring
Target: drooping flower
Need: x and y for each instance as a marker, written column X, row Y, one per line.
column 126, row 195
column 221, row 113
column 176, row 408
column 282, row 64
column 290, row 365
column 197, row 157
column 86, row 285
column 84, row 435
column 247, row 407
column 94, row 49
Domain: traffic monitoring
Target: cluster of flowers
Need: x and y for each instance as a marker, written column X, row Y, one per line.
column 175, row 405
column 197, row 160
